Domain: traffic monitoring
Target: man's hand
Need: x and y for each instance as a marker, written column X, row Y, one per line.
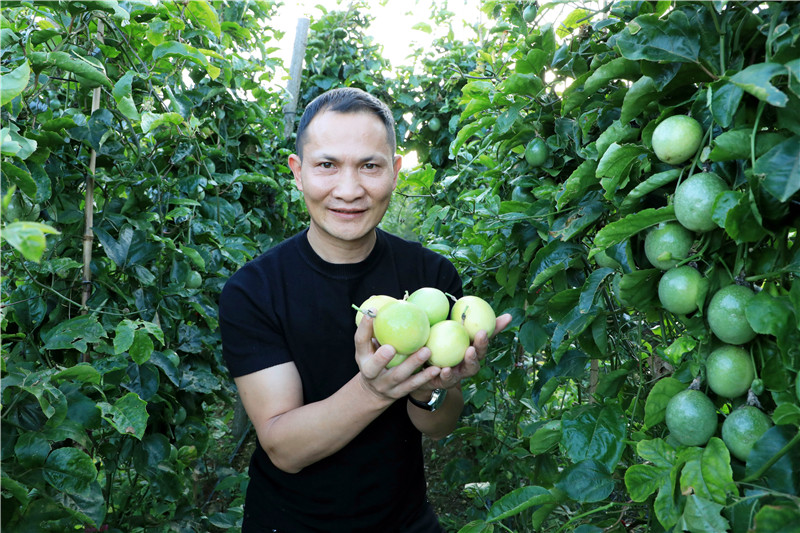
column 397, row 382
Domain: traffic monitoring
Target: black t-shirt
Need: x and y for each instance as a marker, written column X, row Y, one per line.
column 288, row 304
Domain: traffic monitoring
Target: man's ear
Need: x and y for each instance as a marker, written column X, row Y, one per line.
column 398, row 164
column 295, row 163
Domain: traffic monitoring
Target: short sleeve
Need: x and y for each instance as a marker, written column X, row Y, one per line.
column 252, row 338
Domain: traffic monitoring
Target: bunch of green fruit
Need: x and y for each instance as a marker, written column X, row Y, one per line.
column 425, row 318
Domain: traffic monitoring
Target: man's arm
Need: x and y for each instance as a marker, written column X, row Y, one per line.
column 295, row 435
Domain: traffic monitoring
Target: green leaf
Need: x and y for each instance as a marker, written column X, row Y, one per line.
column 74, row 333
column 781, row 169
column 13, row 83
column 123, row 336
column 703, row 516
column 576, row 18
column 786, row 414
column 82, row 372
column 518, row 500
column 151, row 121
column 545, row 437
column 128, row 415
column 116, row 249
column 651, row 38
column 735, row 144
column 179, row 50
column 629, row 226
column 679, row 347
column 769, row 315
column 586, row 482
column 777, row 519
column 581, row 179
column 552, row 258
column 31, row 449
column 653, row 183
column 596, row 432
column 616, row 164
column 142, row 347
column 28, row 238
column 18, row 174
column 423, row 27
column 755, row 80
column 203, row 16
column 477, row 526
column 641, row 93
column 710, row 476
column 533, row 336
column 643, row 480
column 122, row 95
column 523, row 84
column 69, row 470
column 725, row 99
column 784, row 474
column 656, row 405
column 657, row 451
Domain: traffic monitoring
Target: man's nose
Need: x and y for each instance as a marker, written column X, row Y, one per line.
column 349, row 185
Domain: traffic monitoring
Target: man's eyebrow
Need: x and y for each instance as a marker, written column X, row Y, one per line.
column 374, row 158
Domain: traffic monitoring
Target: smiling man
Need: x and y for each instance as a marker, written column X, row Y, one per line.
column 339, row 434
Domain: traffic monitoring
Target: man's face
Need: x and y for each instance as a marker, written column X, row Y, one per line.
column 347, row 176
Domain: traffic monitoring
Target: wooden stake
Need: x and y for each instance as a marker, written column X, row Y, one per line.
column 88, row 209
column 295, row 75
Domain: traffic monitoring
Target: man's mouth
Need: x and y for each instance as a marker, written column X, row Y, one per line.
column 347, row 210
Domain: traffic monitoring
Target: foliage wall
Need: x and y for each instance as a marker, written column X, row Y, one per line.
column 114, row 412
column 546, row 205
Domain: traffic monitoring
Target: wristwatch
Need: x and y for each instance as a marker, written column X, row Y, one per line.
column 437, row 398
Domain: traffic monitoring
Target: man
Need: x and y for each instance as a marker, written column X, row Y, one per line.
column 339, row 434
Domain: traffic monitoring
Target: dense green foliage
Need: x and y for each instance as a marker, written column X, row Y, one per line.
column 119, row 413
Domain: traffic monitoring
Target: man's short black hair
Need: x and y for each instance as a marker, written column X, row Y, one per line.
column 346, row 100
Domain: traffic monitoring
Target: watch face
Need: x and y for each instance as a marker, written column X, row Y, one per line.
column 437, row 398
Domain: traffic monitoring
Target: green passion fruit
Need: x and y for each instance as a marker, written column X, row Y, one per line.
column 433, row 301
column 403, row 325
column 676, row 139
column 694, row 200
column 742, row 429
column 691, row 417
column 376, row 301
column 475, row 314
column 448, row 342
column 536, row 152
column 681, row 289
column 667, row 244
column 729, row 371
column 726, row 314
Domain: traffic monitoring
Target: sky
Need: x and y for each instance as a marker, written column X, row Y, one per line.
column 391, row 26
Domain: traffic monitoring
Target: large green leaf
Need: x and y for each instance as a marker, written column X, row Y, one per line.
column 650, row 38
column 13, row 83
column 69, row 470
column 594, row 432
column 780, row 167
column 755, row 80
column 128, row 415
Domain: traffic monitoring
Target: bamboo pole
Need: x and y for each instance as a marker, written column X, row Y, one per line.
column 295, row 75
column 88, row 209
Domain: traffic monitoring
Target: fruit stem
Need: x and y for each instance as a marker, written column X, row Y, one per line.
column 369, row 312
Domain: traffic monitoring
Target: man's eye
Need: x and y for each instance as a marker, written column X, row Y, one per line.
column 370, row 166
column 326, row 164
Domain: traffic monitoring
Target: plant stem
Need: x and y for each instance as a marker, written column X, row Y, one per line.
column 774, row 459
